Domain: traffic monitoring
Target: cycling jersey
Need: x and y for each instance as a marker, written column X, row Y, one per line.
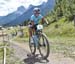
column 36, row 19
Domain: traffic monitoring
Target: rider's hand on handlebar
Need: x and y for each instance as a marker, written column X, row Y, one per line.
column 45, row 23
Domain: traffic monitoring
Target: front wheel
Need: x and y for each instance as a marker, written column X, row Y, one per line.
column 32, row 45
column 44, row 46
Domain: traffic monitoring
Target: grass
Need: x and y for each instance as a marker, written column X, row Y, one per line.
column 64, row 45
column 21, row 39
column 1, row 50
column 60, row 28
column 25, row 36
column 62, row 35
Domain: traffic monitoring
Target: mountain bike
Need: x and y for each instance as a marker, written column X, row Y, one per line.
column 40, row 42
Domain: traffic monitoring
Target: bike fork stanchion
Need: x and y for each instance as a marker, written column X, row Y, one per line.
column 36, row 40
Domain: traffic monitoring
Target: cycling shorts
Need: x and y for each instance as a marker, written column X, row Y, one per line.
column 34, row 26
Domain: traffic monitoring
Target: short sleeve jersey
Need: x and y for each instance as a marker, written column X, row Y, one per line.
column 36, row 19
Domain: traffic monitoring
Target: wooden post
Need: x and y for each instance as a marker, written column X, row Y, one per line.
column 4, row 57
column 74, row 20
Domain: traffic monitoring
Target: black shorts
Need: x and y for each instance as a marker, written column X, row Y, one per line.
column 34, row 27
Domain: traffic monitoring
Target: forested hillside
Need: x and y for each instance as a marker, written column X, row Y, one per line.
column 63, row 8
column 61, row 19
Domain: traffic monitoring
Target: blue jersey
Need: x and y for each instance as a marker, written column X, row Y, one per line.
column 36, row 19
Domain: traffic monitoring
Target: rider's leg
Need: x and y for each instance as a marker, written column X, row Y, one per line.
column 33, row 31
column 30, row 32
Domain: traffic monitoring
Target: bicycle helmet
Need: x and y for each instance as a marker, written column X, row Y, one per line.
column 36, row 10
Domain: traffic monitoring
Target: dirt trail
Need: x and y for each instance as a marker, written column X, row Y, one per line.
column 22, row 50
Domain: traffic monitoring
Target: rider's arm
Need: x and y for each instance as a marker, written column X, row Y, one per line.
column 32, row 18
column 44, row 21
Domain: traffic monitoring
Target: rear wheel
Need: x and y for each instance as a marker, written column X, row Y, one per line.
column 44, row 46
column 32, row 46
